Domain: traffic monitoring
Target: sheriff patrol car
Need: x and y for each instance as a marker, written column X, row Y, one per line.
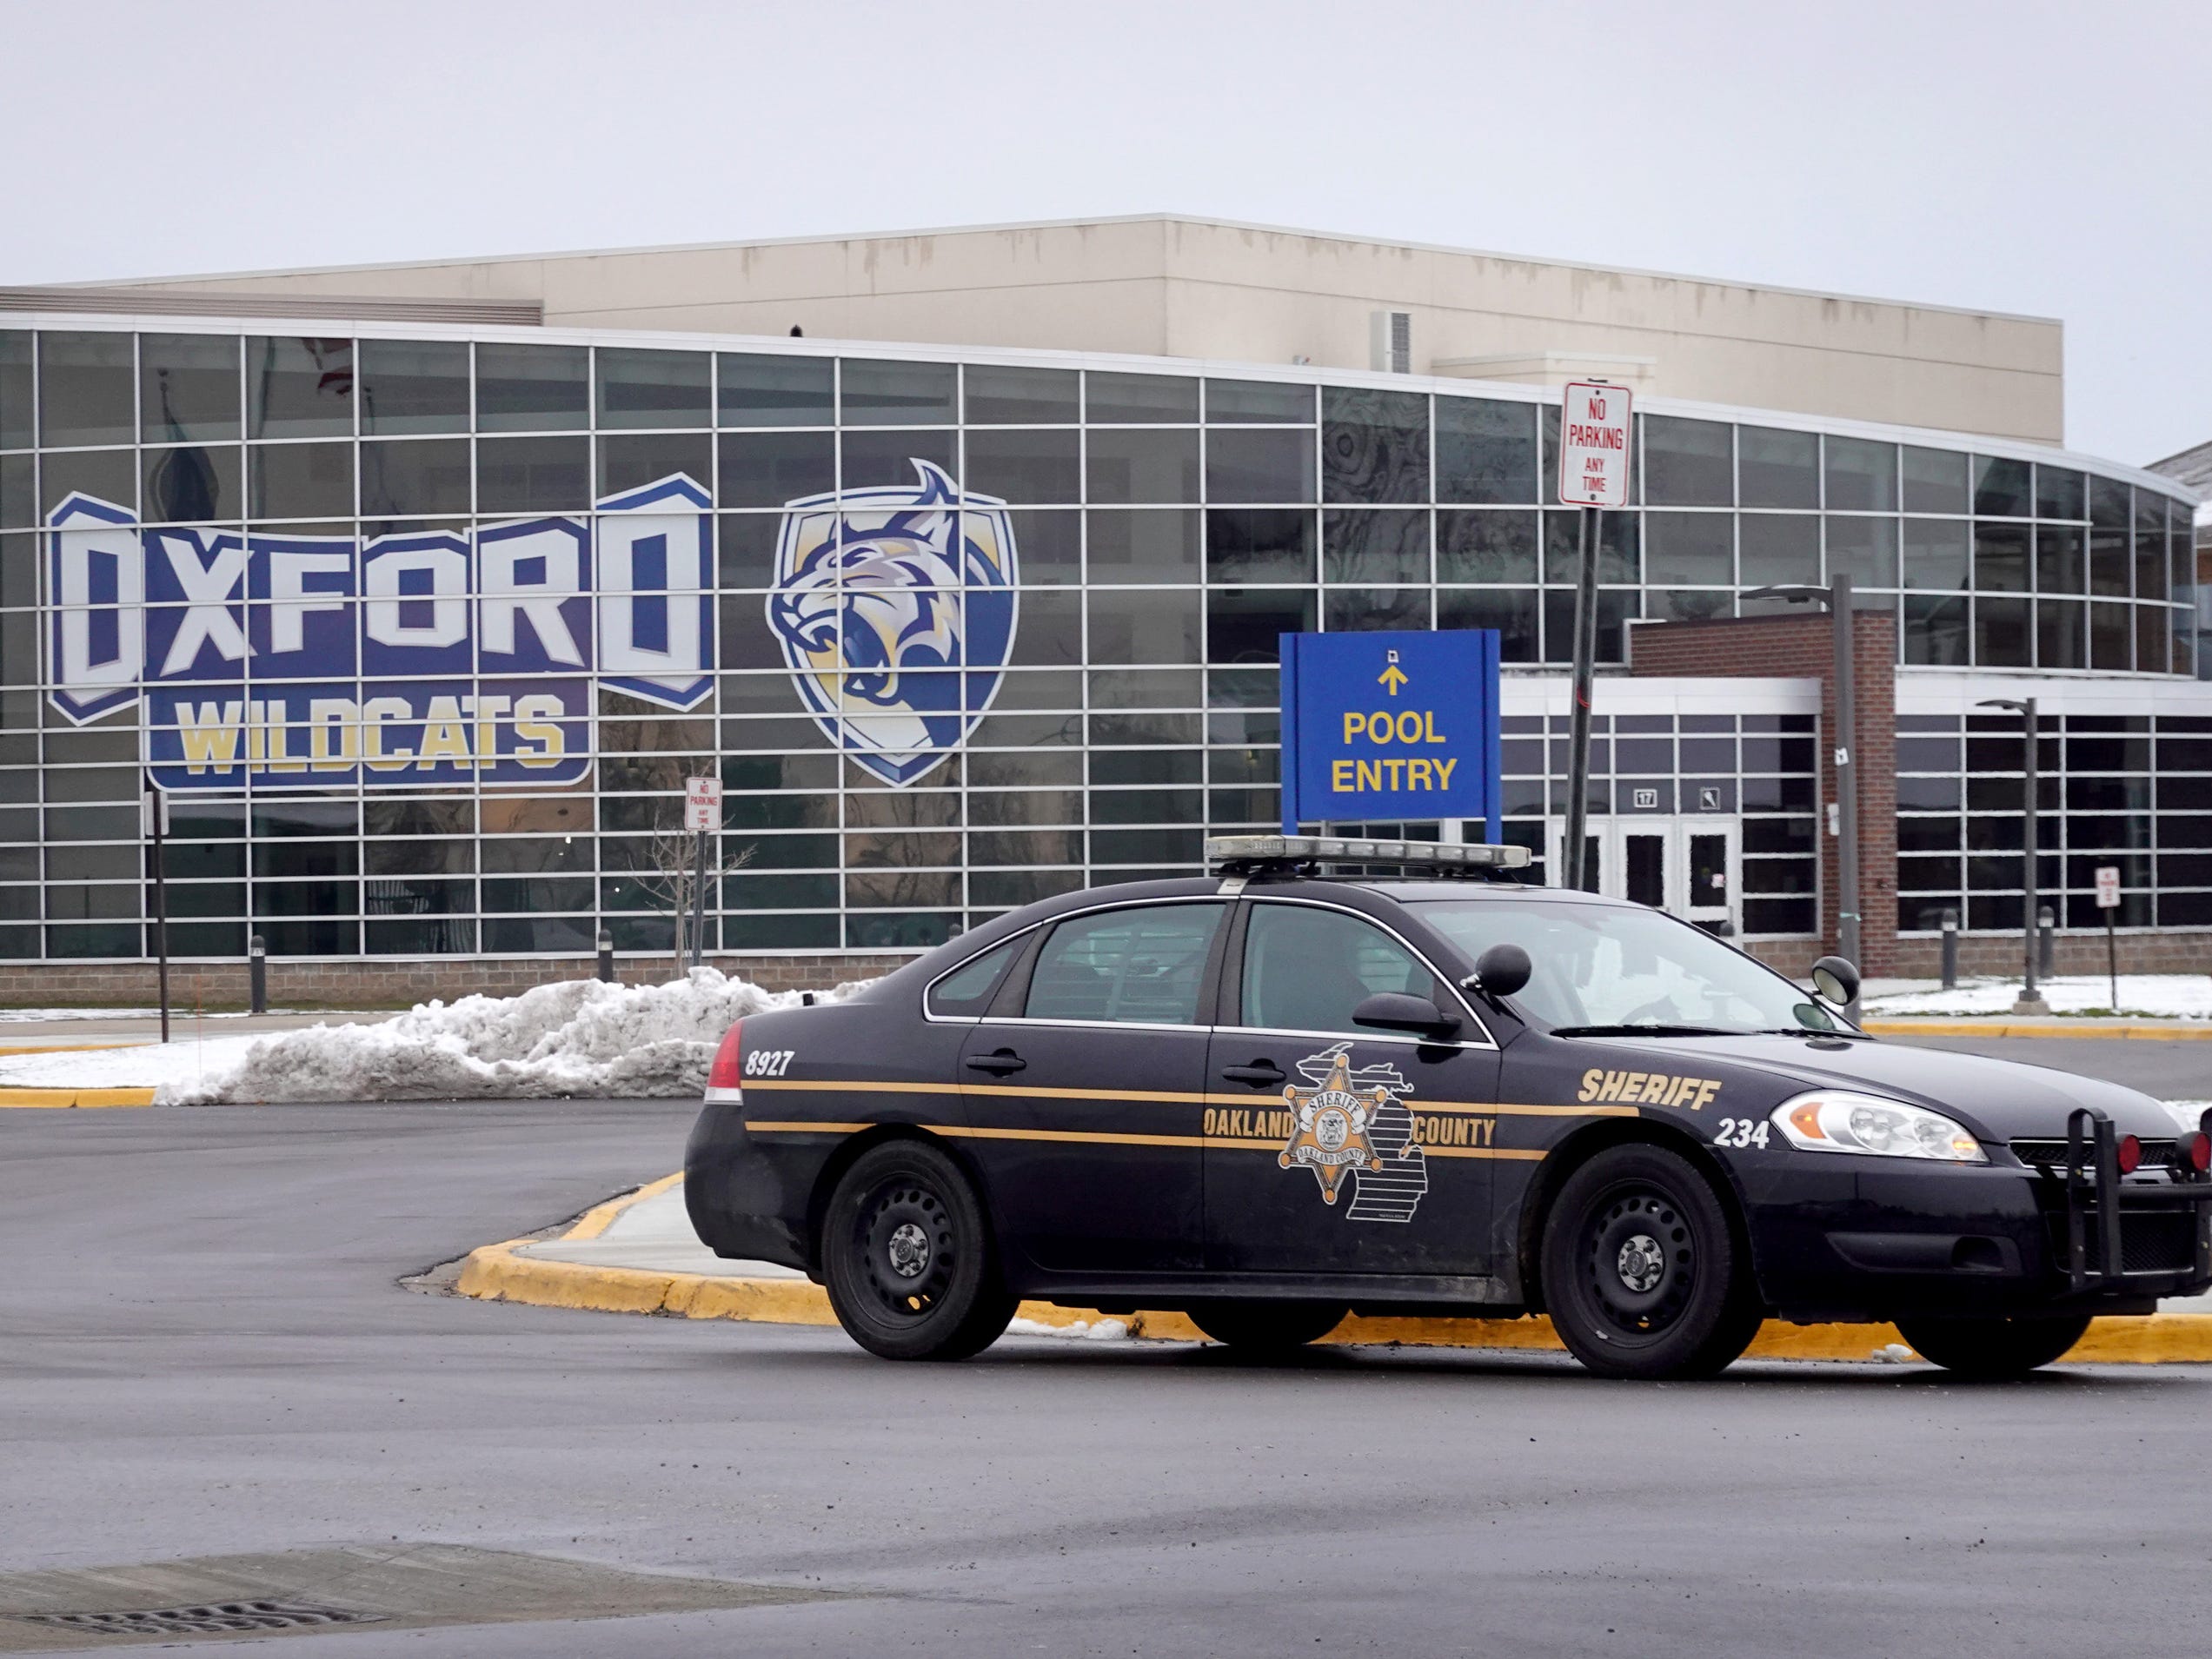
column 1271, row 1096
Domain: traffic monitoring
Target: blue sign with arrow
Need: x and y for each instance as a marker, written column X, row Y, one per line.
column 1390, row 725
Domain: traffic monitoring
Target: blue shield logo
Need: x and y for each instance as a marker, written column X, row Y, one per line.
column 895, row 608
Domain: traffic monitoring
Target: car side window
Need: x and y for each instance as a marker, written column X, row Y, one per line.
column 1307, row 969
column 967, row 988
column 1144, row 965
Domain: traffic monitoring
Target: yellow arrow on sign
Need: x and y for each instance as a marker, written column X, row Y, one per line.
column 1393, row 677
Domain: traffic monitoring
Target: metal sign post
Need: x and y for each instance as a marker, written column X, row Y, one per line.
column 703, row 813
column 1594, row 436
column 154, row 811
column 2108, row 900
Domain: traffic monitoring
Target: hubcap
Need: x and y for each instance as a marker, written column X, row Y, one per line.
column 909, row 1250
column 1639, row 1262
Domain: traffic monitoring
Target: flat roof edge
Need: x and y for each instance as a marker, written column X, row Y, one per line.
column 1072, row 225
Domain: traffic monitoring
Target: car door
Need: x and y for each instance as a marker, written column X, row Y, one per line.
column 1084, row 1085
column 1334, row 1147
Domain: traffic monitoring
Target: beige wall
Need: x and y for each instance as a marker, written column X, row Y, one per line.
column 1189, row 287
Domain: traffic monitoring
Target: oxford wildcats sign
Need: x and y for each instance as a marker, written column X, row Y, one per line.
column 895, row 608
column 410, row 660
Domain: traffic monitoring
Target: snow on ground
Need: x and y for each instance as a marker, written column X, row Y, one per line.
column 1075, row 1330
column 578, row 1038
column 2182, row 995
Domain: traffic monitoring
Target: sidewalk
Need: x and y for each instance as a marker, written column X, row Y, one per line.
column 638, row 1254
column 24, row 1028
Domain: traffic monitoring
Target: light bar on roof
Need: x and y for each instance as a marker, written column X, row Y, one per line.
column 1304, row 849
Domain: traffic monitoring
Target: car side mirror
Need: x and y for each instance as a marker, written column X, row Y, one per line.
column 1503, row 970
column 1836, row 979
column 1395, row 1011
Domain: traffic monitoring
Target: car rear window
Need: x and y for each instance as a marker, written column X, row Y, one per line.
column 1144, row 965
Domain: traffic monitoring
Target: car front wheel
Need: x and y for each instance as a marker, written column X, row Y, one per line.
column 1643, row 1275
column 1993, row 1349
column 908, row 1256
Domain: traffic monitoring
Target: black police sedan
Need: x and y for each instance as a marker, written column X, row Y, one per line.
column 1271, row 1096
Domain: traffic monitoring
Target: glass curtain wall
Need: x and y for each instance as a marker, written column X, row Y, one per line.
column 1164, row 529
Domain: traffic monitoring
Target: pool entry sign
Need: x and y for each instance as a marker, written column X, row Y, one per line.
column 427, row 657
column 1390, row 725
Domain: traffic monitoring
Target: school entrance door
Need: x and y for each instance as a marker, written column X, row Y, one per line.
column 1688, row 866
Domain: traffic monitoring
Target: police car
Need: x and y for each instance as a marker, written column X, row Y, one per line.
column 1273, row 1096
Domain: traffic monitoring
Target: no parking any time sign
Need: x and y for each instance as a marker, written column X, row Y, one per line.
column 1593, row 445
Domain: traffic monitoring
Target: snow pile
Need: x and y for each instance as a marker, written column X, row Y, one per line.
column 1075, row 1330
column 2169, row 996
column 578, row 1038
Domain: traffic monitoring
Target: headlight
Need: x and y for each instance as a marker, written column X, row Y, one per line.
column 1836, row 1121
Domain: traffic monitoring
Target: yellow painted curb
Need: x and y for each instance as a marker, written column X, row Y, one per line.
column 2002, row 1027
column 51, row 1098
column 7, row 1049
column 495, row 1273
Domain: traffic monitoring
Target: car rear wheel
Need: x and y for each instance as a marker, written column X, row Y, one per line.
column 1262, row 1328
column 908, row 1256
column 1993, row 1349
column 1642, row 1274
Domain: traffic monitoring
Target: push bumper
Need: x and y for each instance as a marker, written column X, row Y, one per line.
column 1874, row 1238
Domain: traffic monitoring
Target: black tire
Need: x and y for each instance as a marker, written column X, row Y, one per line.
column 1264, row 1328
column 1993, row 1350
column 1642, row 1274
column 908, row 1259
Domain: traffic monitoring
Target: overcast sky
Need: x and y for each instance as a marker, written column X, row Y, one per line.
column 2009, row 156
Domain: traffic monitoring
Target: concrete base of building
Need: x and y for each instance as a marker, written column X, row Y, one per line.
column 371, row 982
column 375, row 982
column 1999, row 955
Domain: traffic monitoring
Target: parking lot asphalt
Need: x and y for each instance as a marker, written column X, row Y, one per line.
column 205, row 1348
column 2169, row 1070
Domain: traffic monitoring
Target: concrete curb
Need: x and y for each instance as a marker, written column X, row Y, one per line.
column 495, row 1273
column 1997, row 1025
column 54, row 1097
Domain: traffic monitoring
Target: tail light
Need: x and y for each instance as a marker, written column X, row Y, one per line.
column 2196, row 1152
column 2131, row 1154
column 726, row 1070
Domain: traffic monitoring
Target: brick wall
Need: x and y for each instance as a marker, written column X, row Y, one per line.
column 1804, row 646
column 373, row 982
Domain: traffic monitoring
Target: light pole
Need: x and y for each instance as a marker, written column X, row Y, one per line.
column 2031, row 887
column 1838, row 597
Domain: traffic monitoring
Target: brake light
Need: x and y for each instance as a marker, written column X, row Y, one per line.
column 726, row 1071
column 2131, row 1154
column 2196, row 1151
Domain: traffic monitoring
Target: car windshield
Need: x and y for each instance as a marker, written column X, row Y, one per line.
column 1603, row 968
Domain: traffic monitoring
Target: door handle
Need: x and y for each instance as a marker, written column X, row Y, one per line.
column 1261, row 1071
column 1000, row 1063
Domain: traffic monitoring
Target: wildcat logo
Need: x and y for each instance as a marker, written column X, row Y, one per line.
column 895, row 608
column 1353, row 1122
